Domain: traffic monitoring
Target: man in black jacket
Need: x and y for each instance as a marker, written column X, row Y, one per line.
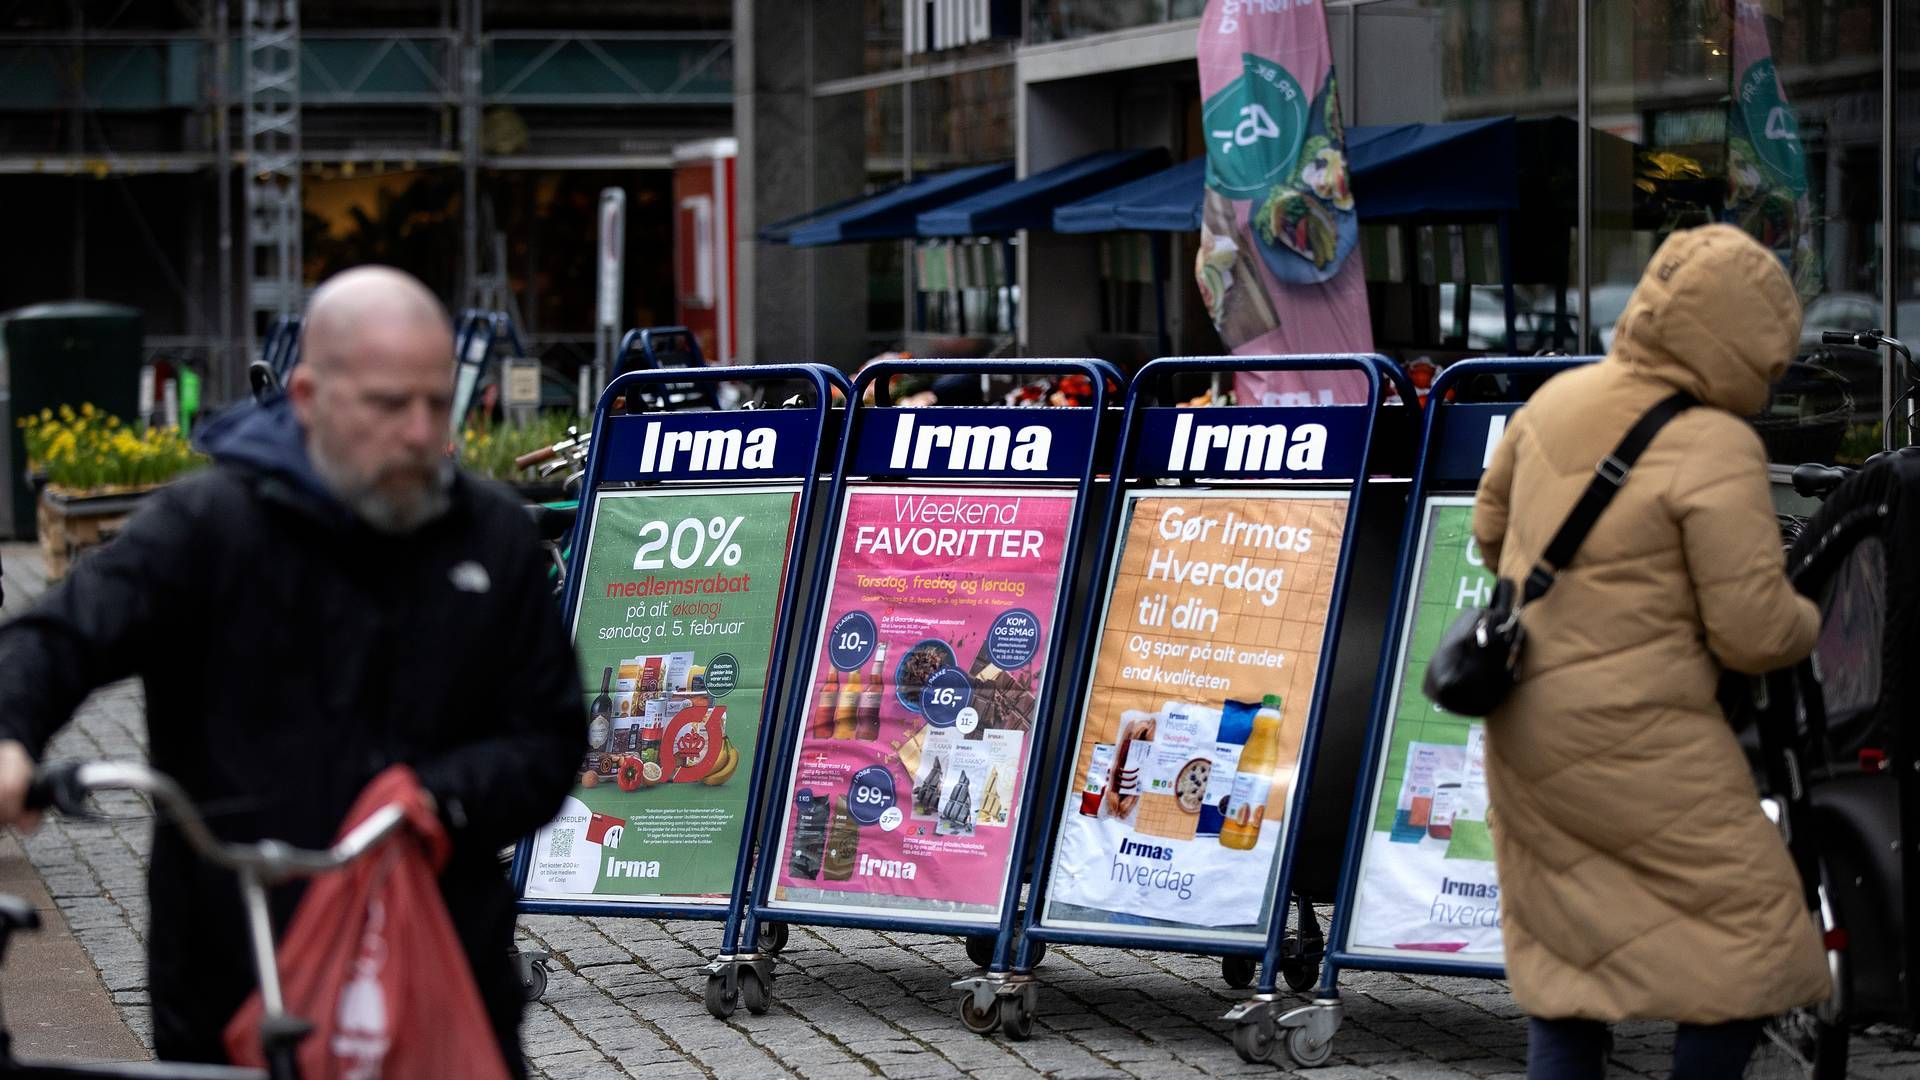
column 330, row 598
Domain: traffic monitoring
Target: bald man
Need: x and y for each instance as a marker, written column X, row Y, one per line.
column 330, row 598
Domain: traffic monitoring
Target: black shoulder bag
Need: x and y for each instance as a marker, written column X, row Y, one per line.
column 1473, row 667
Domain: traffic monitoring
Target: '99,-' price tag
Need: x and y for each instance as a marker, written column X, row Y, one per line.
column 870, row 794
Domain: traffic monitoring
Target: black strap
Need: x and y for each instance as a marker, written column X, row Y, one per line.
column 1608, row 476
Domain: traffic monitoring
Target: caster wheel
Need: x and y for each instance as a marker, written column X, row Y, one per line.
column 533, row 979
column 773, row 937
column 979, row 1021
column 1039, row 952
column 1304, row 1051
column 1016, row 1018
column 1239, row 971
column 1254, row 1042
column 980, row 951
column 720, row 1003
column 1301, row 973
column 754, row 992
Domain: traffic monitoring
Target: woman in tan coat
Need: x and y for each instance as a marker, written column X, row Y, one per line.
column 1639, row 877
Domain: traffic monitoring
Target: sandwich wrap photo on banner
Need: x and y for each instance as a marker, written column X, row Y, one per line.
column 1279, row 266
column 920, row 708
column 1427, row 881
column 678, row 613
column 1189, row 740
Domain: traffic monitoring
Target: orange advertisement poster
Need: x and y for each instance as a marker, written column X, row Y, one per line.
column 1190, row 737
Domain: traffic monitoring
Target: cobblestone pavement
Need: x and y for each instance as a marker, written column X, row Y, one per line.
column 625, row 994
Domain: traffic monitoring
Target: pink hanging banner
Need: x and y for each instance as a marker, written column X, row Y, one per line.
column 1277, row 265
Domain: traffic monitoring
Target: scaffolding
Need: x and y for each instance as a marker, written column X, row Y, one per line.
column 271, row 107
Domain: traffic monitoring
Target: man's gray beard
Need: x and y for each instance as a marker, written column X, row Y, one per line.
column 379, row 512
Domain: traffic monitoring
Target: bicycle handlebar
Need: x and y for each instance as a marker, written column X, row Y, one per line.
column 1865, row 339
column 65, row 786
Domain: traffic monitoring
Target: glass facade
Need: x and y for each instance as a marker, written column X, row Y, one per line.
column 1771, row 114
column 1765, row 113
column 1768, row 114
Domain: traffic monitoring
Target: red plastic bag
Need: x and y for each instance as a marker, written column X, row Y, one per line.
column 372, row 961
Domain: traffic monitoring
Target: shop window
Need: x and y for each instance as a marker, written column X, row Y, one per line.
column 1771, row 120
column 964, row 288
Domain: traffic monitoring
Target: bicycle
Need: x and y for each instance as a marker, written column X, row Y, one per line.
column 65, row 787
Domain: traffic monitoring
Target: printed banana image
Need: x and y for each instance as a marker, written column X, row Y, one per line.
column 729, row 761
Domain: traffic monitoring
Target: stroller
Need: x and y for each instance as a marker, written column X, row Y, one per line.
column 1838, row 761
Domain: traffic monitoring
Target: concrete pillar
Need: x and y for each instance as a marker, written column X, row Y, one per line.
column 798, row 152
column 1059, row 273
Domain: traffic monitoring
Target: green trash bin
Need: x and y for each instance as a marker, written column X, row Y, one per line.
column 58, row 354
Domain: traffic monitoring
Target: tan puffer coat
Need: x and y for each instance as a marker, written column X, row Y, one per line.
column 1639, row 877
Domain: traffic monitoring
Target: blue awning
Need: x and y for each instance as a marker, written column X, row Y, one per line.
column 1030, row 203
column 1458, row 170
column 782, row 231
column 1455, row 170
column 1167, row 201
column 890, row 214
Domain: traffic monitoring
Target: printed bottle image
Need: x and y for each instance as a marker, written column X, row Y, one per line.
column 1097, row 773
column 600, row 723
column 1253, row 782
column 848, row 706
column 829, row 701
column 866, row 717
column 1236, row 726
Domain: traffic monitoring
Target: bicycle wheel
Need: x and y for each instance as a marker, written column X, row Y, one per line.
column 1809, row 1043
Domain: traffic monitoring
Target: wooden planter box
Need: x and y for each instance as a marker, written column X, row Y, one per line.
column 72, row 524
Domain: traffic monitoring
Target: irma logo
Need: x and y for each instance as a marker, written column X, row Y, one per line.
column 632, row 868
column 1262, row 448
column 904, row 869
column 707, row 451
column 970, row 447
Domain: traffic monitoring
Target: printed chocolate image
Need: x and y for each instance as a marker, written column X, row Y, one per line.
column 918, row 666
column 809, row 840
column 956, row 815
column 926, row 795
column 843, row 842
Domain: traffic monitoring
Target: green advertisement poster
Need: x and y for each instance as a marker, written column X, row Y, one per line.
column 1427, row 879
column 678, row 613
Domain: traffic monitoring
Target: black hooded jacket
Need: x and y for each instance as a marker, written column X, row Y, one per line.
column 289, row 654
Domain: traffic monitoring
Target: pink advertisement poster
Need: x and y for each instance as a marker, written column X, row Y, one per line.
column 920, row 709
column 1277, row 263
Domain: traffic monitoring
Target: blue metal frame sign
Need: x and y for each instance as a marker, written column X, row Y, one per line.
column 705, row 501
column 1210, row 588
column 977, row 456
column 1418, row 891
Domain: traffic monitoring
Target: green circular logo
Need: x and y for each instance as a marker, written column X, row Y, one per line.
column 723, row 674
column 1771, row 126
column 1255, row 126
